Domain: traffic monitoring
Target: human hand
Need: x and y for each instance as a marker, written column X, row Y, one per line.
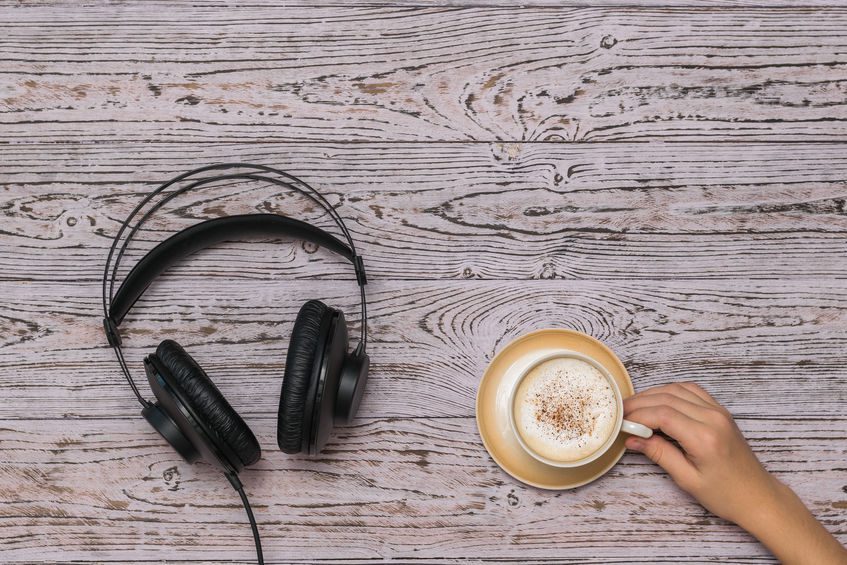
column 715, row 465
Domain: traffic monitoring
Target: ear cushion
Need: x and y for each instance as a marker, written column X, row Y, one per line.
column 208, row 402
column 299, row 363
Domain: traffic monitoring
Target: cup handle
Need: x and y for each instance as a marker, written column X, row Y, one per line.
column 636, row 429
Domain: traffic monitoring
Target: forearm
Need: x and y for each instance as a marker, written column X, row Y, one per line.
column 784, row 525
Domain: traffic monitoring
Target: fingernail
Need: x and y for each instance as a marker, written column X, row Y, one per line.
column 635, row 444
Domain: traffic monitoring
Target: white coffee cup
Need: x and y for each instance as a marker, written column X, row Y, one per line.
column 621, row 425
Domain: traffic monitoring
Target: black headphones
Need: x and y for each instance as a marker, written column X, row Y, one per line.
column 323, row 381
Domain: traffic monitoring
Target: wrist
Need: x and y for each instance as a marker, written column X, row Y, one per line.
column 778, row 520
column 783, row 524
column 765, row 510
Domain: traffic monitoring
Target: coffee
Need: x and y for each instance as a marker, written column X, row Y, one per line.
column 565, row 409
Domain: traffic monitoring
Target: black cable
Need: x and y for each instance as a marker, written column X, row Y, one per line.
column 122, row 362
column 363, row 323
column 239, row 488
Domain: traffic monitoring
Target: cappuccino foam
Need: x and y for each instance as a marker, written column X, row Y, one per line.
column 565, row 409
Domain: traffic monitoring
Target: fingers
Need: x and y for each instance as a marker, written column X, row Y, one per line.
column 694, row 388
column 664, row 454
column 674, row 423
column 696, row 410
column 677, row 389
column 687, row 390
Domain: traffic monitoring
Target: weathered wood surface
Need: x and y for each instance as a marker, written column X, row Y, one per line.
column 186, row 5
column 389, row 488
column 721, row 259
column 186, row 74
column 765, row 349
column 455, row 211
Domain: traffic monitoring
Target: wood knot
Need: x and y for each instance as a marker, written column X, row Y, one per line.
column 172, row 478
column 189, row 100
column 506, row 151
column 608, row 42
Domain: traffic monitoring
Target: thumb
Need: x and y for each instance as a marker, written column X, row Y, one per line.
column 667, row 456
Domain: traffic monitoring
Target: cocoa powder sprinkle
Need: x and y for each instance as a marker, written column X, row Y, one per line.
column 566, row 411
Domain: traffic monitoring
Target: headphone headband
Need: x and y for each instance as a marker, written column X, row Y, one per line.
column 291, row 182
column 208, row 233
column 116, row 306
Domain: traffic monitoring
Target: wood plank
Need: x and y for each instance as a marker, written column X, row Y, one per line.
column 766, row 349
column 453, row 211
column 198, row 74
column 511, row 4
column 385, row 489
column 721, row 259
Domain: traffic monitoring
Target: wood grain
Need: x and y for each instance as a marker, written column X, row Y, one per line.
column 764, row 349
column 421, row 490
column 503, row 168
column 448, row 211
column 192, row 75
column 187, row 5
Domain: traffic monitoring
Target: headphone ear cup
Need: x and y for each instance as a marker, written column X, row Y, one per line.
column 332, row 359
column 209, row 404
column 351, row 385
column 297, row 385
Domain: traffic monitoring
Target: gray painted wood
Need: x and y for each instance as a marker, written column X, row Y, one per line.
column 418, row 489
column 422, row 74
column 763, row 348
column 457, row 211
column 444, row 135
column 186, row 6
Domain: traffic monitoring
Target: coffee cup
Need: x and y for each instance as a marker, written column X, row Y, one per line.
column 566, row 410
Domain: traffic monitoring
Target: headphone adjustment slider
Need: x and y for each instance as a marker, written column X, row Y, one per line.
column 112, row 334
column 359, row 265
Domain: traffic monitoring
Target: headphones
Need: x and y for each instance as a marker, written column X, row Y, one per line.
column 324, row 379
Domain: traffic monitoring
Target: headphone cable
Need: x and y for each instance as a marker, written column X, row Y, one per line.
column 239, row 488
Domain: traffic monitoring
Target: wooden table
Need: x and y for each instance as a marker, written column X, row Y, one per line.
column 669, row 178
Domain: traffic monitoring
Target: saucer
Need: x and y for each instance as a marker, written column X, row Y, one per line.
column 492, row 408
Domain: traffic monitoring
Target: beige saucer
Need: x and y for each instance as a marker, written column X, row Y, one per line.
column 492, row 406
